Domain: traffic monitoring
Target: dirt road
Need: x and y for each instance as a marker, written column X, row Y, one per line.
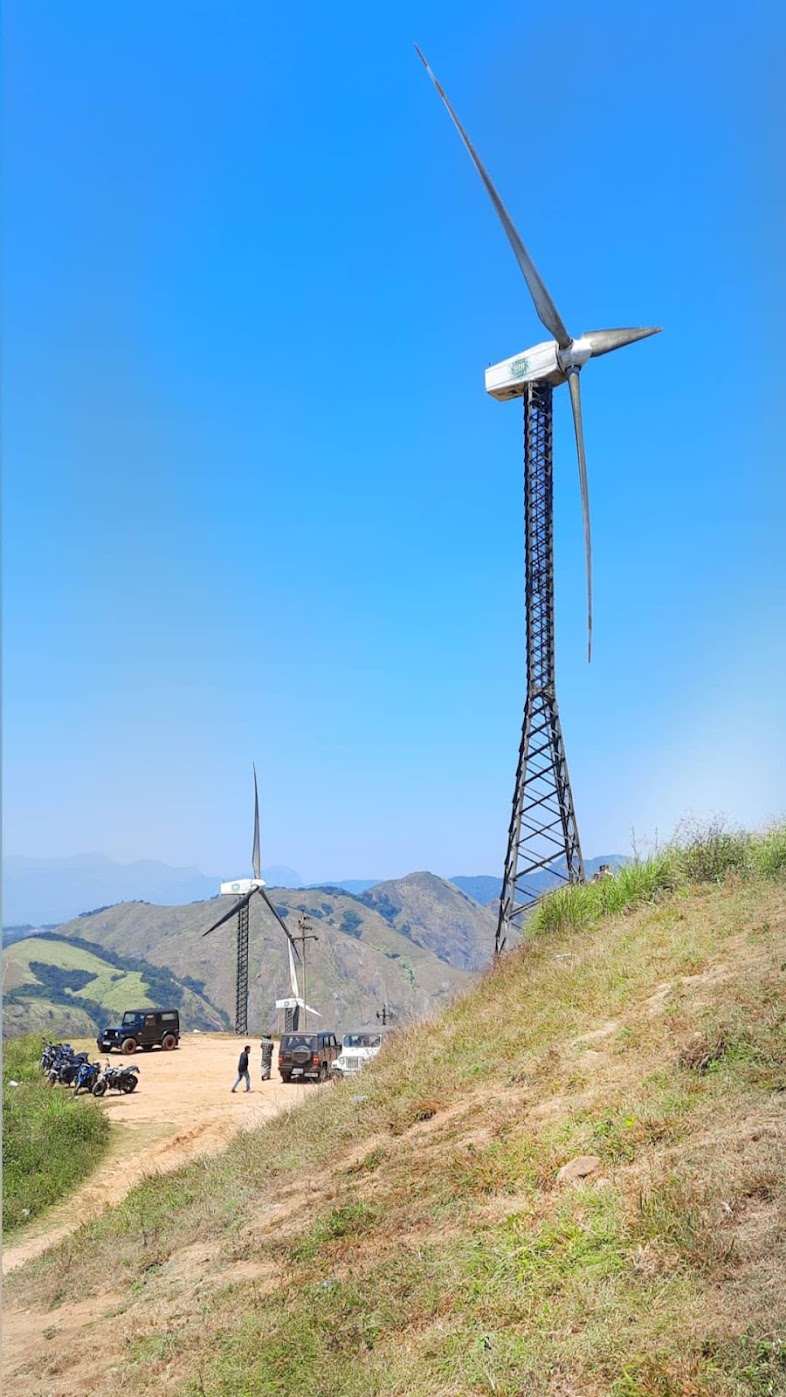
column 182, row 1108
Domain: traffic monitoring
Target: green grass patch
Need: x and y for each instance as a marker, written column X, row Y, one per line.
column 698, row 854
column 51, row 1142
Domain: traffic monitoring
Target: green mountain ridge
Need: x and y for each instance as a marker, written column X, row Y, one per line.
column 67, row 986
column 438, row 916
column 361, row 960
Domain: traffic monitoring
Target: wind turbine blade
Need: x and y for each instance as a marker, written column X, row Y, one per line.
column 603, row 341
column 545, row 307
column 255, row 850
column 293, row 984
column 575, row 398
column 280, row 921
column 227, row 917
column 303, row 1005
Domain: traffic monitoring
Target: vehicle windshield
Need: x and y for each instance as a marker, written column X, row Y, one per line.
column 131, row 1016
column 291, row 1041
column 362, row 1040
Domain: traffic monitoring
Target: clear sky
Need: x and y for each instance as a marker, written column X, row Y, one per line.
column 257, row 503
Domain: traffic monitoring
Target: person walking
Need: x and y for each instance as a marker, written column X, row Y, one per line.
column 242, row 1069
column 267, row 1056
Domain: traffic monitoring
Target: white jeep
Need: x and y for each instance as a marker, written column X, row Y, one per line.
column 356, row 1050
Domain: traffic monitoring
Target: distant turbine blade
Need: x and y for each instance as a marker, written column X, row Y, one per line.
column 227, row 917
column 293, row 984
column 603, row 341
column 255, row 851
column 280, row 921
column 545, row 307
column 575, row 398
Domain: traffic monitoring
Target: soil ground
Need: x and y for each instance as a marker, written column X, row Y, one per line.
column 182, row 1108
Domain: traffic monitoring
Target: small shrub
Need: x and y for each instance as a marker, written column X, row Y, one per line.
column 703, row 1050
column 708, row 853
column 768, row 852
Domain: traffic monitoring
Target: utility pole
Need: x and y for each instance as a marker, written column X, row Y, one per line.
column 305, row 934
column 387, row 1015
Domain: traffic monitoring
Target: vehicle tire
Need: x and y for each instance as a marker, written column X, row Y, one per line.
column 129, row 1046
column 99, row 1088
column 129, row 1086
column 286, row 1077
column 168, row 1042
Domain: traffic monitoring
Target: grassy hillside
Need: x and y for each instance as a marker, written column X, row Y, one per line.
column 51, row 1141
column 54, row 986
column 358, row 963
column 424, row 1236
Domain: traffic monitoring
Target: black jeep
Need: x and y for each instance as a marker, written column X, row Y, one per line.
column 142, row 1028
column 307, row 1056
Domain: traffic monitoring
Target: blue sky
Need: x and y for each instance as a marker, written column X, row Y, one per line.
column 257, row 503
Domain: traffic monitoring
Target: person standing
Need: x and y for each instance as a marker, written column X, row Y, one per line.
column 267, row 1056
column 242, row 1069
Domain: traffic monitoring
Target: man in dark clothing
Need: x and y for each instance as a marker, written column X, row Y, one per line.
column 267, row 1056
column 242, row 1069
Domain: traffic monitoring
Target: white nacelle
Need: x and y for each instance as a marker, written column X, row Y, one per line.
column 241, row 886
column 543, row 363
column 510, row 378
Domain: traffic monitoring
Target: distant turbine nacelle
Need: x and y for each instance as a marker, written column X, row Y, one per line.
column 241, row 886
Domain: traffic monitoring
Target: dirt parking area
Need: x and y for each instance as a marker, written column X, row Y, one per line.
column 182, row 1108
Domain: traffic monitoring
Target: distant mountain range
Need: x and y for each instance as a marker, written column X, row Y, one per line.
column 410, row 948
column 41, row 893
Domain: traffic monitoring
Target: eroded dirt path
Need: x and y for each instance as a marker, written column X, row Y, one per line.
column 182, row 1108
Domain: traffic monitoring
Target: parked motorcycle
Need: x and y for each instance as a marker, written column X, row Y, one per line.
column 68, row 1070
column 120, row 1078
column 60, row 1063
column 86, row 1077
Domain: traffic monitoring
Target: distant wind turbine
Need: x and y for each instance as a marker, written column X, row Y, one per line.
column 246, row 888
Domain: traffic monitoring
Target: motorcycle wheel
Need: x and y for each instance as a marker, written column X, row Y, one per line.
column 99, row 1088
column 129, row 1085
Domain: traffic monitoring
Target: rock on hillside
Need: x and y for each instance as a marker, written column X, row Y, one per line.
column 359, row 962
column 438, row 916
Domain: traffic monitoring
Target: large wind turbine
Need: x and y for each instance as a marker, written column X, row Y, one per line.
column 543, row 824
column 244, row 889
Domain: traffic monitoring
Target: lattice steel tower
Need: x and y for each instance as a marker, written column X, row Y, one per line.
column 543, row 833
column 543, row 822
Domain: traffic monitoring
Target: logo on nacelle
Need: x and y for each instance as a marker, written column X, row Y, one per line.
column 519, row 368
